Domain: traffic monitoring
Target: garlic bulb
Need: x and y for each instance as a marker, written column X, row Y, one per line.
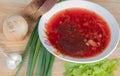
column 15, row 28
column 13, row 60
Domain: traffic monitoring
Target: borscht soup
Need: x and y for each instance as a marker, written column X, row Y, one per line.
column 78, row 32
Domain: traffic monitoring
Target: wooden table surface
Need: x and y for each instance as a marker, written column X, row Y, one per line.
column 9, row 7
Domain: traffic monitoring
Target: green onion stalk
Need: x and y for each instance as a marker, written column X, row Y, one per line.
column 40, row 60
column 37, row 52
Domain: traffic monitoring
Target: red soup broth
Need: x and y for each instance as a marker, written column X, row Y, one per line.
column 78, row 32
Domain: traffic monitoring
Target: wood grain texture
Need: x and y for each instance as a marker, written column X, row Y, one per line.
column 9, row 7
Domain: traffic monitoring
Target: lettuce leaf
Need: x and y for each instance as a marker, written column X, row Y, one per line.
column 101, row 68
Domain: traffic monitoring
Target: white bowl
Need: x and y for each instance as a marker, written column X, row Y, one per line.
column 114, row 27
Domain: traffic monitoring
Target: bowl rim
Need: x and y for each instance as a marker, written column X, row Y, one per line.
column 74, row 59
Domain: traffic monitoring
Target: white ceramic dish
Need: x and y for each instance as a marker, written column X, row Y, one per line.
column 114, row 27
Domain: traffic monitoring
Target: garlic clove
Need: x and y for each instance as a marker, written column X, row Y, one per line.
column 15, row 57
column 11, row 64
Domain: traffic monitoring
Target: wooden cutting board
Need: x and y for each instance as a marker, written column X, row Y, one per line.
column 9, row 7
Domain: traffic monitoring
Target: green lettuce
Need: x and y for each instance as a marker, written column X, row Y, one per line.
column 101, row 68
